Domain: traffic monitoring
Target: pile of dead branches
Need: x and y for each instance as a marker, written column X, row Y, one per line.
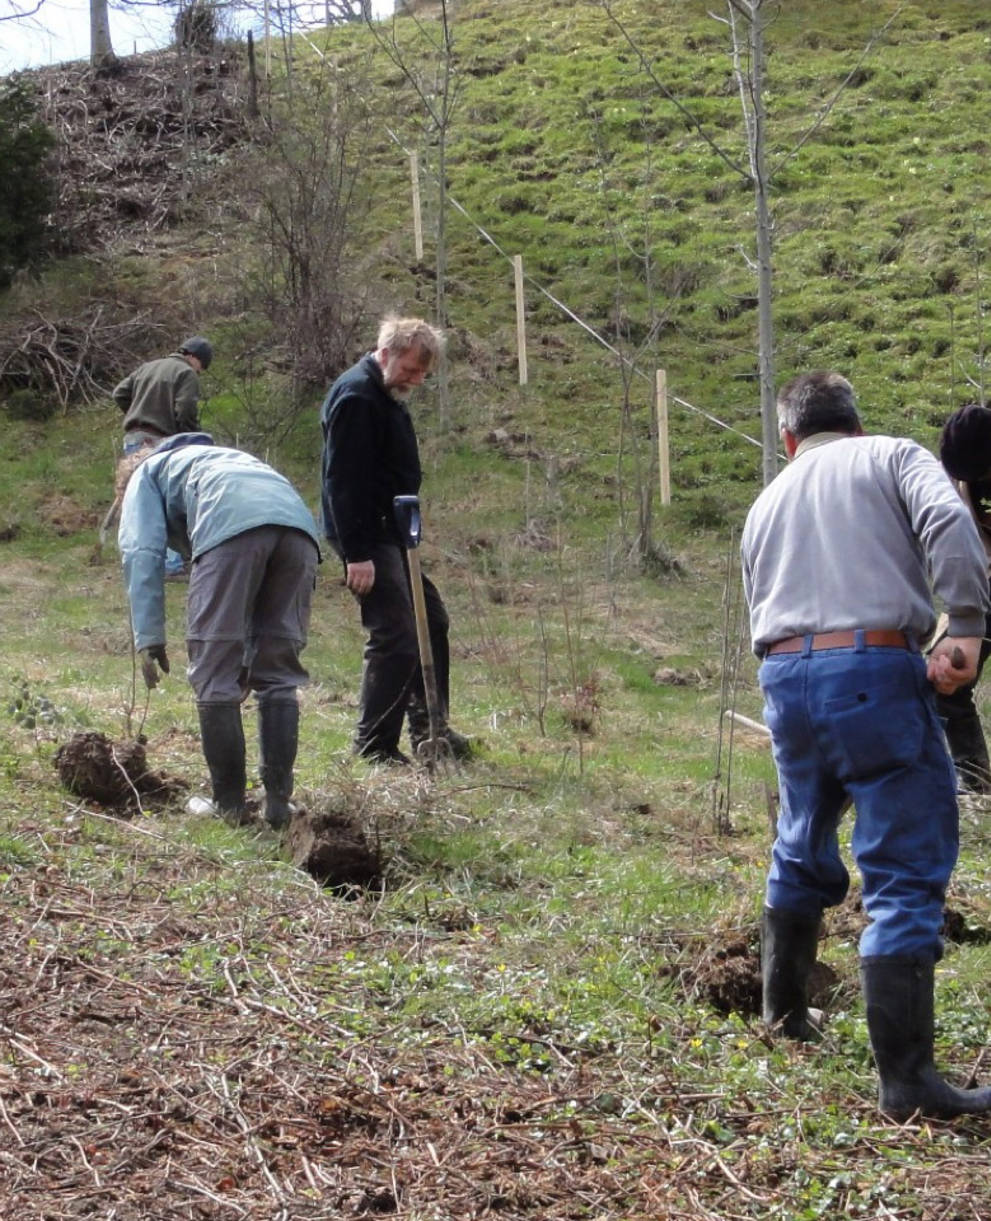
column 71, row 357
column 134, row 144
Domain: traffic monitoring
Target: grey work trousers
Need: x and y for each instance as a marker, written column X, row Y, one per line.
column 248, row 614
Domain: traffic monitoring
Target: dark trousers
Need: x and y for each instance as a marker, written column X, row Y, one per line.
column 391, row 678
column 962, row 722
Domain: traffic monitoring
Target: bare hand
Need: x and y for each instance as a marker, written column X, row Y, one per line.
column 360, row 577
column 953, row 663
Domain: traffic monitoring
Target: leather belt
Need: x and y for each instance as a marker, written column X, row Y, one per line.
column 880, row 638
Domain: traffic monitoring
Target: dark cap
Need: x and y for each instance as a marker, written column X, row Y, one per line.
column 965, row 446
column 198, row 347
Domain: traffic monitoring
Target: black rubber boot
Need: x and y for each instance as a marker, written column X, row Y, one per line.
column 788, row 945
column 898, row 996
column 278, row 739
column 222, row 739
column 965, row 737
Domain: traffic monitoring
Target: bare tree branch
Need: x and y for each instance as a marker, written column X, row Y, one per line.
column 16, row 13
column 439, row 98
column 744, row 9
column 826, row 110
column 742, row 78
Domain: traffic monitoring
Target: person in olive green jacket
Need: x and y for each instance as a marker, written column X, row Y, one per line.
column 161, row 397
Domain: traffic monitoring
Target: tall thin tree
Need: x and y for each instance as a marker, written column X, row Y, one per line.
column 435, row 83
column 748, row 53
column 101, row 50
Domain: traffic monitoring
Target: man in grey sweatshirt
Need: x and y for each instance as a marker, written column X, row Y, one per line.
column 841, row 555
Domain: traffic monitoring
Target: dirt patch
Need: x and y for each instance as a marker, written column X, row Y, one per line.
column 64, row 517
column 727, row 975
column 332, row 848
column 725, row 972
column 847, row 921
column 669, row 676
column 963, row 927
column 115, row 774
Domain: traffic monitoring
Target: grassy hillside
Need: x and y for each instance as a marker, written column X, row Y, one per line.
column 548, row 1008
column 562, row 148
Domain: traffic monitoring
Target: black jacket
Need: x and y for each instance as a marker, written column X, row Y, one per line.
column 370, row 455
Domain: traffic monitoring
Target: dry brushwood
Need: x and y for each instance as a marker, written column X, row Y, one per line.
column 130, row 142
column 133, row 148
column 171, row 1051
column 71, row 358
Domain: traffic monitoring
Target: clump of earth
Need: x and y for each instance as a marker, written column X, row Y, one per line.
column 114, row 774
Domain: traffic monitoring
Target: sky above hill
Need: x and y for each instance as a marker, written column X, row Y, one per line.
column 59, row 30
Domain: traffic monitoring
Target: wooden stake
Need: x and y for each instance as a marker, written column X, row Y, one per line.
column 414, row 173
column 757, row 726
column 663, row 451
column 520, row 317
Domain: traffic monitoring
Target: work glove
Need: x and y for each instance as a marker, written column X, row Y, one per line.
column 153, row 657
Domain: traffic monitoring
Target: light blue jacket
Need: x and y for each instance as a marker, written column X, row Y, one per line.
column 191, row 495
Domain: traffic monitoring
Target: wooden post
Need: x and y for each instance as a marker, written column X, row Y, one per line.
column 520, row 317
column 414, row 173
column 663, row 451
column 268, row 42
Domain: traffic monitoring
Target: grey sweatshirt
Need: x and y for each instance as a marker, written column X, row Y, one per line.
column 858, row 532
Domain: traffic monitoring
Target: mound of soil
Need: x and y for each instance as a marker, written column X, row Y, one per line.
column 728, row 976
column 115, row 774
column 332, row 848
column 964, row 926
column 64, row 516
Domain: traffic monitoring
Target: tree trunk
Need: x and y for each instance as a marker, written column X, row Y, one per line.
column 443, row 389
column 765, row 324
column 101, row 51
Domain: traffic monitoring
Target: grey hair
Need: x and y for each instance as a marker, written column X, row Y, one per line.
column 817, row 402
column 400, row 334
column 128, row 465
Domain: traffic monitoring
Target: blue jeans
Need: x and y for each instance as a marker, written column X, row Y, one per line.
column 861, row 724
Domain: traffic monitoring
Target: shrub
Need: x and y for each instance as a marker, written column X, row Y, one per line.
column 195, row 27
column 27, row 404
column 26, row 181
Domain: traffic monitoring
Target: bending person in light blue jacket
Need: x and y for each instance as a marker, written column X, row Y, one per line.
column 253, row 548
